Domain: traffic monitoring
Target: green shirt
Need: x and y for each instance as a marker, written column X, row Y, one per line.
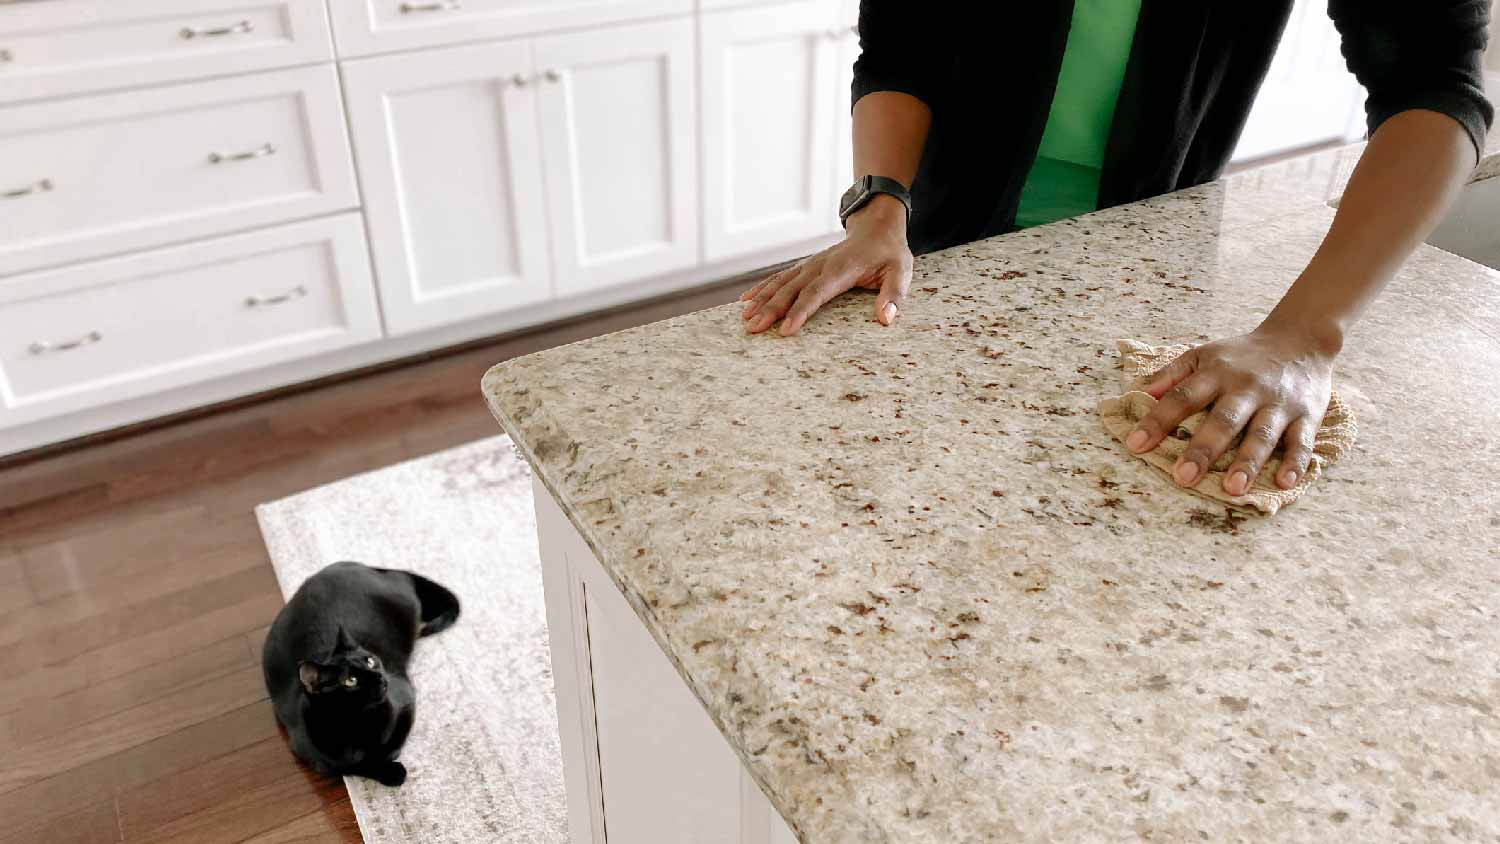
column 1064, row 181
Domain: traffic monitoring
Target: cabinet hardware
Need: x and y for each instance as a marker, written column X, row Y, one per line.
column 5, row 56
column 42, row 347
column 551, row 75
column 40, row 186
column 259, row 152
column 519, row 80
column 263, row 301
column 439, row 6
column 232, row 29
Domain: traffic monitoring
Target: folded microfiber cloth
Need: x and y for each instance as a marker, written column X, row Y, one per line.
column 1140, row 361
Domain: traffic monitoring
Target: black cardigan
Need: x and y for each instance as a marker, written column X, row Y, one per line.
column 988, row 69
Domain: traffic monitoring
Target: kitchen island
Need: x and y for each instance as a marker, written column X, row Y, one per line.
column 901, row 585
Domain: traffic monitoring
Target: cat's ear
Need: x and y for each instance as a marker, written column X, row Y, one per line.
column 311, row 675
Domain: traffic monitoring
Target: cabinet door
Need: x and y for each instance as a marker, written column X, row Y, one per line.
column 770, row 81
column 446, row 147
column 618, row 129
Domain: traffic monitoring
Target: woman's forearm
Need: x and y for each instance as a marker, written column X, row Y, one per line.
column 890, row 130
column 1410, row 171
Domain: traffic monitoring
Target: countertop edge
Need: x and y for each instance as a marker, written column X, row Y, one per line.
column 512, row 429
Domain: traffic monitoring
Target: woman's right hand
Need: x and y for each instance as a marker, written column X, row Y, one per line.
column 873, row 255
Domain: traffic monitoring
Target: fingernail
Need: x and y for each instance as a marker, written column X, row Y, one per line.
column 1237, row 483
column 888, row 313
column 1186, row 473
column 1289, row 477
column 1136, row 441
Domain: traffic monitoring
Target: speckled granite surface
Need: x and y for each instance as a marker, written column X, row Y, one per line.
column 928, row 599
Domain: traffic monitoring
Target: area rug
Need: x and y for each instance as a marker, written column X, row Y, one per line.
column 483, row 757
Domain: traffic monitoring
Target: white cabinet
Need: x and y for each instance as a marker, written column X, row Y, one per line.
column 843, row 125
column 471, row 156
column 90, row 176
column 769, row 98
column 619, row 139
column 365, row 27
column 116, row 329
column 450, row 162
column 51, row 49
column 641, row 757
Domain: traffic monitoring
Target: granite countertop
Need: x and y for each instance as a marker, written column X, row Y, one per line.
column 927, row 598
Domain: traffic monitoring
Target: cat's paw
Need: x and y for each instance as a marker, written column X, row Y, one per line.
column 391, row 774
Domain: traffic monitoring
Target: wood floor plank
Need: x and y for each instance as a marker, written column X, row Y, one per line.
column 138, row 654
column 226, row 799
column 92, row 823
column 52, row 645
column 43, row 802
column 331, row 824
column 44, row 719
column 134, row 585
column 34, row 762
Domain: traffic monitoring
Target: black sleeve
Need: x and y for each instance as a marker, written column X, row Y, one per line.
column 1419, row 54
column 895, row 41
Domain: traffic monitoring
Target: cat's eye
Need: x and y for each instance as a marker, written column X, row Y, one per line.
column 351, row 681
column 371, row 662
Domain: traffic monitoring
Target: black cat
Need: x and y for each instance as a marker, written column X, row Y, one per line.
column 335, row 665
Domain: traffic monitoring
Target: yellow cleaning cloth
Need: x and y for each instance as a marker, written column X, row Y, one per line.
column 1140, row 361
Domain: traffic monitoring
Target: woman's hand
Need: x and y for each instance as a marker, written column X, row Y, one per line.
column 873, row 255
column 1272, row 383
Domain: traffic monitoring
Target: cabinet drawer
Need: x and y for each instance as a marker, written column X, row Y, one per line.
column 50, row 49
column 91, row 176
column 104, row 331
column 365, row 27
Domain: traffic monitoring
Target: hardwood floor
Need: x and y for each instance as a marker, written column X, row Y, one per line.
column 135, row 594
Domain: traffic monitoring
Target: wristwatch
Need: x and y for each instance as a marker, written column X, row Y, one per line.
column 866, row 188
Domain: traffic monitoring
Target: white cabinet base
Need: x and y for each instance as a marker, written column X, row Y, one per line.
column 641, row 759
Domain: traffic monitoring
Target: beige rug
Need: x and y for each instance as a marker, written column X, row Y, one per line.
column 483, row 755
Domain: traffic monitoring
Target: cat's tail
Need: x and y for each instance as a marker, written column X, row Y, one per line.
column 439, row 606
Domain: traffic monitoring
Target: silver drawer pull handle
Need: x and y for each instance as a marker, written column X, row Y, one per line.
column 262, row 301
column 5, row 56
column 259, row 152
column 551, row 75
column 232, row 29
column 439, row 6
column 42, row 348
column 519, row 81
column 41, row 186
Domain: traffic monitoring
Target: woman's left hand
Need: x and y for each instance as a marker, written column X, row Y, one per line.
column 1271, row 383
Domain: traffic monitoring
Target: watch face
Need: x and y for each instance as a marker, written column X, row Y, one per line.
column 853, row 197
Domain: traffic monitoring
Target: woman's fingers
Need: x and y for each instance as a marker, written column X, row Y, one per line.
column 1298, row 450
column 1229, row 415
column 815, row 294
column 1261, row 436
column 1173, row 373
column 776, row 306
column 1181, row 401
column 766, row 289
column 893, row 289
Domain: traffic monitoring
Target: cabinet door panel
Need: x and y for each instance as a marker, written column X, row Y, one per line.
column 843, row 122
column 618, row 129
column 447, row 152
column 769, row 98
